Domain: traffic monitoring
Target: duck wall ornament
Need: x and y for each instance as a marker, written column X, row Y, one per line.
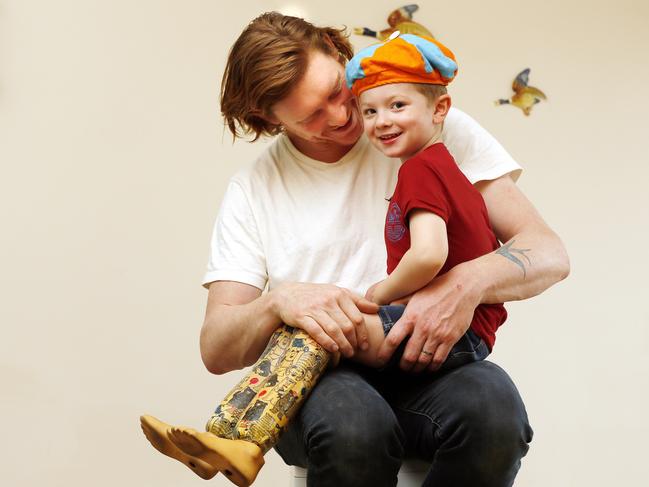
column 525, row 96
column 399, row 20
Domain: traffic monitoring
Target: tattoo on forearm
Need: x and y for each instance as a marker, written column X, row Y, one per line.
column 508, row 252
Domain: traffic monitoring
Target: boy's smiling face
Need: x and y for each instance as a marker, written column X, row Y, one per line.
column 399, row 120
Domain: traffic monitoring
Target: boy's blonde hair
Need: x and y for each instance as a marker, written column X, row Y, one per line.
column 431, row 92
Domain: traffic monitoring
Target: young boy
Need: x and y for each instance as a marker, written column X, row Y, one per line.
column 435, row 220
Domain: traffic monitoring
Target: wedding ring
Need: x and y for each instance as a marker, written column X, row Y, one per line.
column 426, row 352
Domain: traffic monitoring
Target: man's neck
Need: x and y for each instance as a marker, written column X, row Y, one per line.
column 326, row 152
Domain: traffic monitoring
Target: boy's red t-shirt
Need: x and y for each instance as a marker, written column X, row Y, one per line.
column 432, row 181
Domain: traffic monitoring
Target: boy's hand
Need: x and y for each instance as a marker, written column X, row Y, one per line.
column 377, row 293
column 369, row 295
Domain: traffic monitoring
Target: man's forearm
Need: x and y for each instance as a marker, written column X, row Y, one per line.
column 240, row 320
column 532, row 257
column 234, row 335
column 524, row 266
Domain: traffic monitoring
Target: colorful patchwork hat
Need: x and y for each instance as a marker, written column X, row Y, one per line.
column 403, row 58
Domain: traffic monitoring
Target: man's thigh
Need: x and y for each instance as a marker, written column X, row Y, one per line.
column 345, row 422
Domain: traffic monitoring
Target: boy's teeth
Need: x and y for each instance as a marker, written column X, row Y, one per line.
column 389, row 136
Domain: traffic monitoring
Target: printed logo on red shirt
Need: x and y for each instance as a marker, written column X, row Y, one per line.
column 394, row 227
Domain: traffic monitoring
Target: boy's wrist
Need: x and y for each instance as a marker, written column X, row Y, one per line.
column 378, row 296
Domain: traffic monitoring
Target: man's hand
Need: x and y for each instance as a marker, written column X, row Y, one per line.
column 435, row 319
column 330, row 314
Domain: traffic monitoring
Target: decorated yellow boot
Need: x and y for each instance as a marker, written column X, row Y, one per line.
column 277, row 402
column 284, row 391
column 204, row 453
column 207, row 454
column 224, row 420
column 279, row 382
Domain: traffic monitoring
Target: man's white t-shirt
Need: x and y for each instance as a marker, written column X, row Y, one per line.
column 290, row 218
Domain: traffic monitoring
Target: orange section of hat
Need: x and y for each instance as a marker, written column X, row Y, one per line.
column 398, row 61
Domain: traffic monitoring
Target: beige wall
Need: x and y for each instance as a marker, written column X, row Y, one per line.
column 113, row 164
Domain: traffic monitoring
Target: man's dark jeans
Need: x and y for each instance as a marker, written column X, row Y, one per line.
column 359, row 423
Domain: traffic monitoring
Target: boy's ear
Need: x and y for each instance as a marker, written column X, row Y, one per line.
column 442, row 106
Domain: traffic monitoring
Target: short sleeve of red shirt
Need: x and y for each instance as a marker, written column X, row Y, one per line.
column 422, row 187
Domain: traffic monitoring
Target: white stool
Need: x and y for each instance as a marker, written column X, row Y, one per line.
column 412, row 474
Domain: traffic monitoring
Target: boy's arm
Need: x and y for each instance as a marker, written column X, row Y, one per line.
column 421, row 263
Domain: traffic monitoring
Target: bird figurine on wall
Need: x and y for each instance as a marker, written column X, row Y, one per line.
column 401, row 20
column 525, row 96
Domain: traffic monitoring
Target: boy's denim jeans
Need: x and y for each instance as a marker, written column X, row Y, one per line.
column 469, row 348
column 468, row 419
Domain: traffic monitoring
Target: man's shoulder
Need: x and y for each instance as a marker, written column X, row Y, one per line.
column 263, row 167
column 456, row 119
column 478, row 154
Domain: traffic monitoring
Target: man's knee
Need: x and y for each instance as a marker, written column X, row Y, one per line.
column 494, row 420
column 353, row 453
column 346, row 411
column 499, row 407
column 355, row 438
column 351, row 432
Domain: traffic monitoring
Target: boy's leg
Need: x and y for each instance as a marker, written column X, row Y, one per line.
column 378, row 326
column 204, row 453
column 279, row 397
column 469, row 348
column 293, row 377
column 284, row 391
column 224, row 420
column 207, row 454
column 261, row 405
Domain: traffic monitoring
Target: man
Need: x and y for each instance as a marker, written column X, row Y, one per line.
column 310, row 213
